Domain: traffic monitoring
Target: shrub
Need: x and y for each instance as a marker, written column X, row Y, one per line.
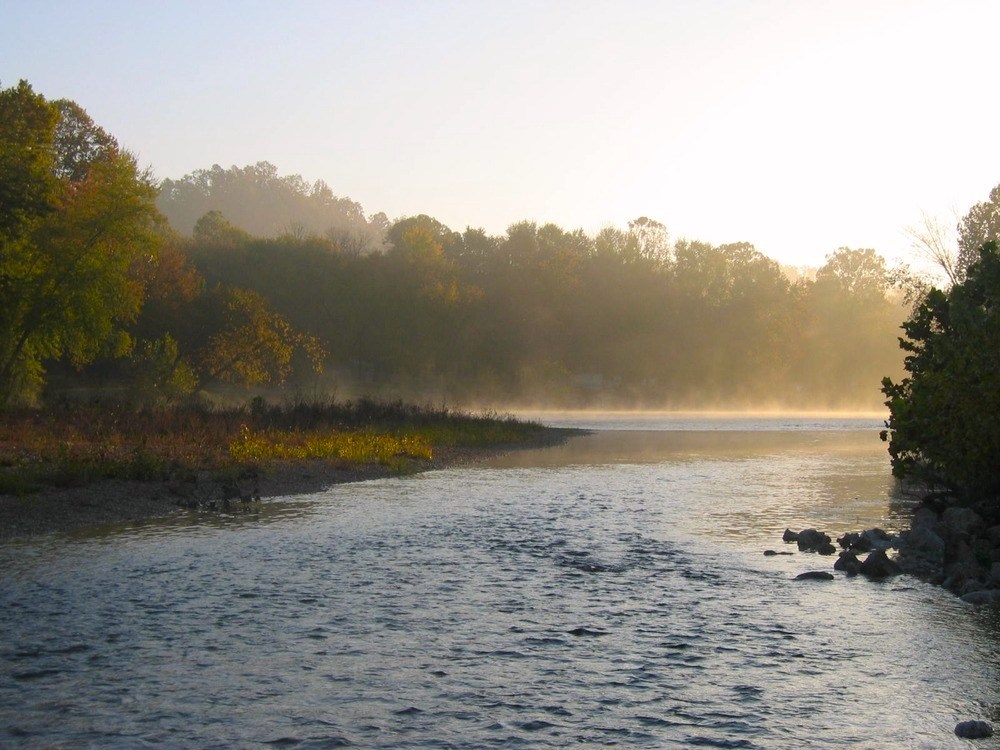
column 943, row 427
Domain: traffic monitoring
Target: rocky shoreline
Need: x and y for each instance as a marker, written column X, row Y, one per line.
column 948, row 545
column 113, row 501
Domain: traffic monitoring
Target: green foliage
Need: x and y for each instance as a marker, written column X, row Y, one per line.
column 979, row 226
column 544, row 314
column 77, row 217
column 943, row 428
column 159, row 375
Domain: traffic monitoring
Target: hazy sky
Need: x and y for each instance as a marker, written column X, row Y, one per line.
column 797, row 125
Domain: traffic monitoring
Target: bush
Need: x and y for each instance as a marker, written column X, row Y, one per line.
column 944, row 417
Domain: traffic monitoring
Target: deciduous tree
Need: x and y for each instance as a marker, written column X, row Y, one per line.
column 77, row 215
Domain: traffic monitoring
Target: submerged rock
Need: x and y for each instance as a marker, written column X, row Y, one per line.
column 974, row 730
column 814, row 575
column 772, row 553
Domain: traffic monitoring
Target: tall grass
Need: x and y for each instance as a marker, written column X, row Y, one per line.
column 82, row 443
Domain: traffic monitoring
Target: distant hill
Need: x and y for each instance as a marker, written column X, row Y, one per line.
column 258, row 200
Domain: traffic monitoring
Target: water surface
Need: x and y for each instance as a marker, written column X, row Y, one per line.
column 611, row 591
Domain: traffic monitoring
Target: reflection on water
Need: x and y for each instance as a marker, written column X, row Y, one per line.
column 607, row 592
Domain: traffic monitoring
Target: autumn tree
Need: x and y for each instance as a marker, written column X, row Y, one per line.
column 253, row 345
column 76, row 215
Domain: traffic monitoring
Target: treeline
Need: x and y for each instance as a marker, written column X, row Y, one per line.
column 625, row 318
column 100, row 292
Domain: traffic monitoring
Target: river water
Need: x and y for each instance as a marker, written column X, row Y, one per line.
column 611, row 591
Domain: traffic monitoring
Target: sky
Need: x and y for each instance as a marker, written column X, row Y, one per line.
column 800, row 126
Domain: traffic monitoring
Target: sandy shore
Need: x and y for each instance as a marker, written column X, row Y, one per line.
column 106, row 502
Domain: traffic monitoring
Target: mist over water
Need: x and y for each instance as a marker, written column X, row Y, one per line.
column 608, row 592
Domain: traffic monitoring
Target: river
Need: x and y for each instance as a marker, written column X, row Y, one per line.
column 611, row 591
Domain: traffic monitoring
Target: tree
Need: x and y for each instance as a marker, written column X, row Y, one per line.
column 979, row 226
column 28, row 182
column 860, row 274
column 933, row 243
column 942, row 428
column 654, row 242
column 78, row 216
column 79, row 142
column 254, row 345
column 849, row 328
column 258, row 200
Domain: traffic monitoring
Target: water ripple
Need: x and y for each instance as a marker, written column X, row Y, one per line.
column 595, row 605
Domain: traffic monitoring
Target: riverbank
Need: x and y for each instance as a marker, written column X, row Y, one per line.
column 91, row 465
column 112, row 501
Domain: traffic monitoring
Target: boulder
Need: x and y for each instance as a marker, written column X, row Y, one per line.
column 877, row 539
column 850, row 539
column 924, row 516
column 810, row 540
column 878, row 565
column 921, row 549
column 974, row 730
column 983, row 596
column 848, row 562
column 964, row 521
column 993, row 534
column 789, row 536
column 814, row 575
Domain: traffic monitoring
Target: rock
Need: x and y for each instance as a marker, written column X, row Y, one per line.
column 848, row 562
column 789, row 536
column 921, row 550
column 772, row 553
column 974, row 730
column 993, row 534
column 878, row 565
column 826, row 549
column 984, row 596
column 995, row 574
column 810, row 540
column 962, row 562
column 970, row 586
column 814, row 575
column 852, row 540
column 877, row 539
column 959, row 520
column 924, row 516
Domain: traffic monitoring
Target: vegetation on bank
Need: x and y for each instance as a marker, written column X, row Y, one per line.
column 944, row 423
column 79, row 444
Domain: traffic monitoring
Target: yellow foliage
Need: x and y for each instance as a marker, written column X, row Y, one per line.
column 348, row 447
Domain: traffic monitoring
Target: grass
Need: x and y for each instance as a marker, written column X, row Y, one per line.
column 79, row 444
